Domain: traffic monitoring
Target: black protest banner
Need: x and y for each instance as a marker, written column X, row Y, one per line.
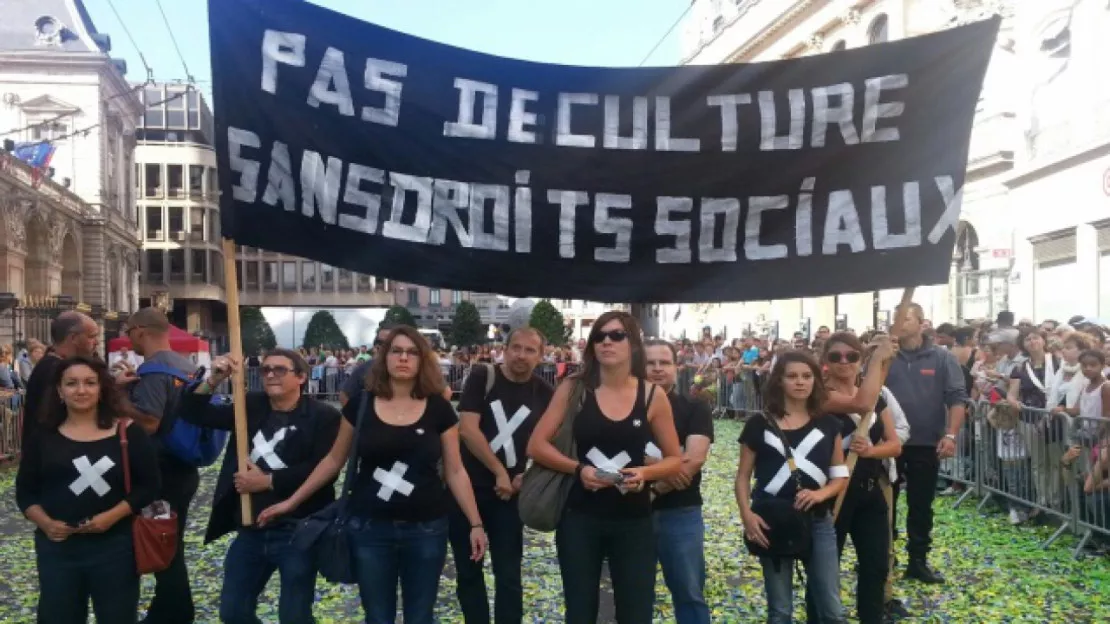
column 383, row 153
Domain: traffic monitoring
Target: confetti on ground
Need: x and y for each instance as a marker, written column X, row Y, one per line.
column 996, row 573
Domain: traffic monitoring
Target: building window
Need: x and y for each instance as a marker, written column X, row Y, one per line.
column 414, row 296
column 346, row 280
column 252, row 274
column 175, row 177
column 456, row 297
column 175, row 110
column 196, row 223
column 154, row 265
column 213, row 187
column 239, row 275
column 363, row 281
column 154, row 230
column 177, row 265
column 433, row 296
column 879, row 30
column 327, row 277
column 840, row 45
column 718, row 24
column 308, row 276
column 152, row 183
column 289, row 276
column 155, row 116
column 49, row 131
column 214, row 226
column 270, row 275
column 216, row 261
column 196, row 181
column 198, row 270
column 176, row 223
column 192, row 99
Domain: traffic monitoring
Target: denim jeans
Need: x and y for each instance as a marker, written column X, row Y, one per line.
column 680, row 545
column 248, row 566
column 84, row 567
column 506, row 548
column 822, row 579
column 389, row 552
column 584, row 543
column 173, row 594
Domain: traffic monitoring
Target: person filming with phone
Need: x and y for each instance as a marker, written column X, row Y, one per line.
column 608, row 511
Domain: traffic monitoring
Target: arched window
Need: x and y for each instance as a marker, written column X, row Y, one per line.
column 839, row 45
column 879, row 30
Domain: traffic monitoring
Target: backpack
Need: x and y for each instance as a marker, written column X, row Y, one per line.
column 196, row 446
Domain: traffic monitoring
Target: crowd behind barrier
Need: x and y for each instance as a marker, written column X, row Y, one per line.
column 1034, row 464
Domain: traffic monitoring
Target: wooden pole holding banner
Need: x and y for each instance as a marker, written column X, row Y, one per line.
column 867, row 421
column 238, row 383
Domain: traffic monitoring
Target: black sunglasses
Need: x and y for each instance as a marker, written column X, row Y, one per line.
column 835, row 357
column 617, row 335
column 276, row 371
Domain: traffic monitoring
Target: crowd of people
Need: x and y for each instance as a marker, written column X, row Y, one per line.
column 627, row 438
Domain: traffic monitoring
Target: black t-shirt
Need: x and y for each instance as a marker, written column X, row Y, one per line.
column 865, row 467
column 611, row 445
column 1029, row 392
column 40, row 387
column 691, row 417
column 74, row 481
column 812, row 446
column 509, row 407
column 398, row 466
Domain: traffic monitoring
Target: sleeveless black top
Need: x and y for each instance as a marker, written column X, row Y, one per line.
column 608, row 444
column 866, row 468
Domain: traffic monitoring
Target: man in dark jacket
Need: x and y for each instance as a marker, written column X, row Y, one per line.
column 289, row 434
column 72, row 334
column 929, row 385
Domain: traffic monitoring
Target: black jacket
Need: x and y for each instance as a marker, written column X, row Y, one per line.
column 317, row 424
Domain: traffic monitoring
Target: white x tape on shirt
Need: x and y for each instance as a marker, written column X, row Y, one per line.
column 265, row 449
column 601, row 462
column 801, row 453
column 505, row 429
column 393, row 481
column 91, row 475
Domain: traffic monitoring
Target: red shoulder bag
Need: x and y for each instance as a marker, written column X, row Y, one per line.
column 154, row 539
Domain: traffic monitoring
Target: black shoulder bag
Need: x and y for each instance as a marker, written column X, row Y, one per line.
column 326, row 534
column 791, row 530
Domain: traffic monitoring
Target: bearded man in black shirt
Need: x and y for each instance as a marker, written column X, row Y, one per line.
column 72, row 334
column 499, row 407
column 676, row 507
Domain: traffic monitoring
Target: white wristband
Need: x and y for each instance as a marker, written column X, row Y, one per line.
column 838, row 472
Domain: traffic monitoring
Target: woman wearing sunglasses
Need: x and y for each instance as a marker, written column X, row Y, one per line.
column 864, row 514
column 398, row 502
column 608, row 512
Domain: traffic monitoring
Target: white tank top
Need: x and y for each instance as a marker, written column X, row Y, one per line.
column 1090, row 405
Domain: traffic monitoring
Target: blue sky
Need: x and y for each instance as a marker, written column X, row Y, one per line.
column 577, row 32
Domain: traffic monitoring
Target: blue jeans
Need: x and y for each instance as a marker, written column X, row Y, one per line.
column 680, row 546
column 100, row 568
column 388, row 552
column 251, row 560
column 822, row 579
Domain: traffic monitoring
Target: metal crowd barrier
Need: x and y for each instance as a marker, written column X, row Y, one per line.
column 1035, row 463
column 11, row 425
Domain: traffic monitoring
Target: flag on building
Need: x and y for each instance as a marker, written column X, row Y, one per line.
column 38, row 155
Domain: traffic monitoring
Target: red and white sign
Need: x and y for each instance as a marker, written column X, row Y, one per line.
column 1002, row 253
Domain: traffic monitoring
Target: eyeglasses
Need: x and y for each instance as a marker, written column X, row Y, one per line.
column 276, row 371
column 617, row 335
column 836, row 357
column 398, row 352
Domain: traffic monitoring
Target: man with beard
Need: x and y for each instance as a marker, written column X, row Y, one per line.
column 500, row 406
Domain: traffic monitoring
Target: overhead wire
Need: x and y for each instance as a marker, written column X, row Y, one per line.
column 94, row 126
column 658, row 43
column 127, row 31
column 173, row 40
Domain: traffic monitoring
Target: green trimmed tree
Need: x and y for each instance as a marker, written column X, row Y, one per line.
column 548, row 320
column 466, row 326
column 399, row 315
column 257, row 334
column 323, row 331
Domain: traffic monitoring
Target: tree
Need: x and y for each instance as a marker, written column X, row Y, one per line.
column 548, row 320
column 466, row 326
column 323, row 331
column 257, row 334
column 398, row 315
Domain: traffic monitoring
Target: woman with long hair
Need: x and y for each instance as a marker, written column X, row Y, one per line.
column 1031, row 385
column 865, row 512
column 792, row 409
column 71, row 485
column 399, row 504
column 608, row 512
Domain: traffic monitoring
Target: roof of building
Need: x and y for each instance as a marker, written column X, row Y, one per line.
column 44, row 25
